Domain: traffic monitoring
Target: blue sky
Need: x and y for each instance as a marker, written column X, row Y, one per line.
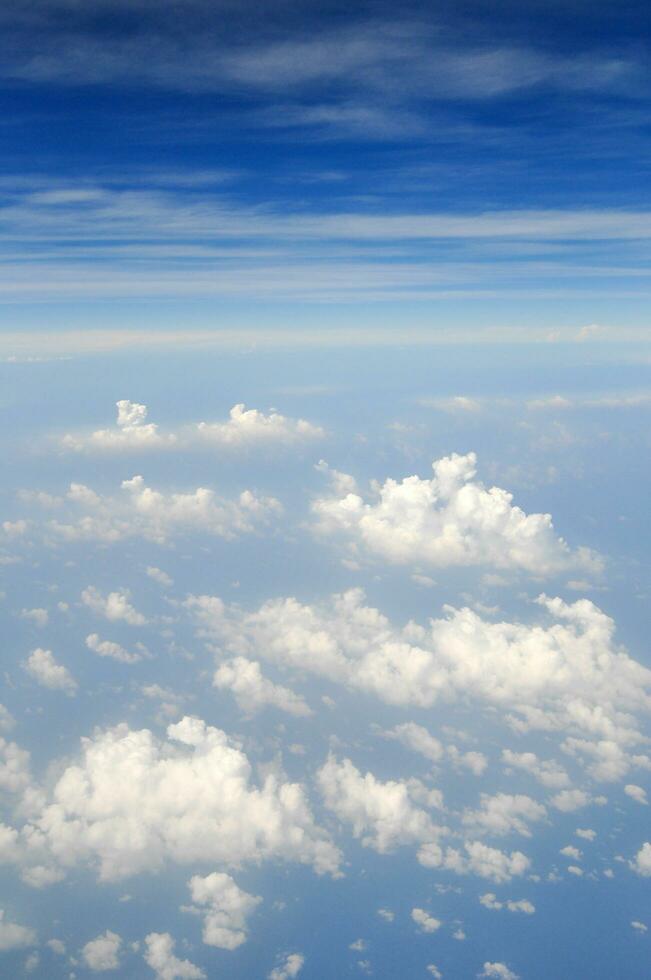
column 325, row 388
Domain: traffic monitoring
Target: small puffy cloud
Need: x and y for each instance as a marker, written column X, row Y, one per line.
column 569, row 800
column 192, row 797
column 571, row 852
column 381, row 814
column 253, row 691
column 14, row 767
column 585, row 833
column 39, row 617
column 158, row 575
column 639, row 926
column 103, row 953
column 546, row 772
column 490, row 901
column 424, row 921
column 499, row 971
column 386, row 914
column 250, row 427
column 575, row 870
column 291, row 966
column 642, row 862
column 504, row 814
column 57, row 946
column 7, row 720
column 225, row 908
column 115, row 606
column 140, row 511
column 636, row 793
column 107, row 648
column 132, row 433
column 449, row 520
column 14, row 936
column 419, row 739
column 44, row 669
column 456, row 405
column 434, row 971
column 479, row 859
column 159, row 955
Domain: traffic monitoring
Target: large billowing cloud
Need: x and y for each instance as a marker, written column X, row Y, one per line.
column 451, row 519
column 134, row 802
column 244, row 428
column 563, row 675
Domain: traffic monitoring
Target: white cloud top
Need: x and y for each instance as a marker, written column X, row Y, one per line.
column 42, row 666
column 449, row 520
column 225, row 908
column 103, row 953
column 159, row 955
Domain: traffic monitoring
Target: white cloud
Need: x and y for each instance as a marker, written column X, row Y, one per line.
column 382, row 815
column 499, row 971
column 115, row 606
column 419, row 739
column 456, row 405
column 158, row 575
column 44, row 669
column 39, row 617
column 103, row 953
column 131, row 433
column 14, row 767
column 585, row 833
column 225, row 908
column 250, row 427
column 571, row 852
column 479, row 859
column 253, row 691
column 107, row 648
column 386, row 914
column 636, row 793
column 142, row 512
column 7, row 720
column 434, row 971
column 424, row 921
column 569, row 800
column 547, row 772
column 290, row 967
column 448, row 520
column 243, row 428
column 159, row 955
column 565, row 674
column 504, row 814
column 14, row 936
column 639, row 926
column 490, row 901
column 642, row 862
column 191, row 796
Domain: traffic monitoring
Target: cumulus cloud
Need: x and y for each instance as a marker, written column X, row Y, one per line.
column 243, row 428
column 565, row 674
column 14, row 936
column 449, row 520
column 103, row 953
column 479, row 859
column 642, row 862
column 424, row 921
column 490, row 901
column 636, row 793
column 139, row 511
column 504, row 814
column 250, row 427
column 115, row 607
column 381, row 814
column 132, row 433
column 291, row 966
column 158, row 575
column 15, row 774
column 159, row 955
column 253, row 691
column 225, row 908
column 500, row 971
column 547, row 772
column 107, row 648
column 42, row 666
column 191, row 797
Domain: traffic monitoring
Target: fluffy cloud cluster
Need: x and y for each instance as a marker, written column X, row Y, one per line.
column 425, row 921
column 566, row 675
column 14, row 936
column 451, row 519
column 115, row 607
column 243, row 428
column 490, row 901
column 141, row 512
column 134, row 802
column 225, row 908
column 290, row 967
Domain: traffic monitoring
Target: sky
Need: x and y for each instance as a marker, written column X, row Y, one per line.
column 325, row 380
